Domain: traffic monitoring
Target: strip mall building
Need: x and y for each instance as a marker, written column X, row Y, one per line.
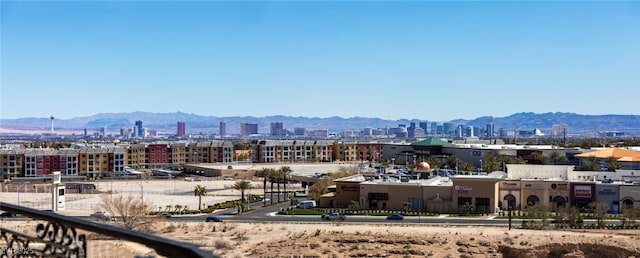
column 551, row 185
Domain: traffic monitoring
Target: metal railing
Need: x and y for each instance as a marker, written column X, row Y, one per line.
column 58, row 237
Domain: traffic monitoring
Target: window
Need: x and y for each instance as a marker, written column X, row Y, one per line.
column 482, row 204
column 378, row 196
column 464, row 200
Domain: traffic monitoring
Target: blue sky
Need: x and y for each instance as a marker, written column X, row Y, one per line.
column 425, row 60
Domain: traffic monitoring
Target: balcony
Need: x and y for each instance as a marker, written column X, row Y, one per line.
column 61, row 236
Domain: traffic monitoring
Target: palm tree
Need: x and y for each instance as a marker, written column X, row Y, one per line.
column 434, row 162
column 593, row 164
column 539, row 157
column 452, row 161
column 467, row 167
column 200, row 191
column 242, row 186
column 285, row 173
column 557, row 157
column 490, row 162
column 269, row 173
column 612, row 164
column 277, row 175
column 265, row 173
column 503, row 160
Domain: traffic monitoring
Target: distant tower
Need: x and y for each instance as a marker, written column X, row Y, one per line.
column 277, row 129
column 223, row 128
column 489, row 133
column 181, row 129
column 52, row 118
column 139, row 129
column 247, row 129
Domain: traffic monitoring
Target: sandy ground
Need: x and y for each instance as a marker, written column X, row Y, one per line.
column 338, row 239
column 158, row 193
column 379, row 240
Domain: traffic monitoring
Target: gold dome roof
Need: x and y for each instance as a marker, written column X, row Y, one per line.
column 423, row 166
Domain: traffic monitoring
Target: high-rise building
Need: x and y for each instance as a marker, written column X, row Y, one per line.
column 434, row 128
column 459, row 132
column 448, row 128
column 477, row 130
column 180, row 129
column 424, row 125
column 247, row 129
column 439, row 130
column 277, row 129
column 223, row 128
column 411, row 130
column 139, row 129
column 300, row 131
column 489, row 133
column 559, row 130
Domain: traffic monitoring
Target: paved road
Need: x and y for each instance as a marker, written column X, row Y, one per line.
column 267, row 214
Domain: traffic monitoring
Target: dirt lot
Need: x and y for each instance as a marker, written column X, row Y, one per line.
column 328, row 240
column 380, row 240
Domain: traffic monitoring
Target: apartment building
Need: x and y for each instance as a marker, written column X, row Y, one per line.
column 35, row 160
column 94, row 163
column 137, row 156
column 178, row 153
column 11, row 162
column 292, row 151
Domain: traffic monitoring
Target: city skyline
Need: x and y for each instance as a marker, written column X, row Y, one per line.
column 391, row 60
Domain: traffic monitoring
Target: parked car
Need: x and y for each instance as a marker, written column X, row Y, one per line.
column 102, row 215
column 333, row 216
column 306, row 204
column 213, row 219
column 395, row 217
column 167, row 215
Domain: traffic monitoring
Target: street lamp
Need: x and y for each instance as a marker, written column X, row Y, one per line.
column 480, row 165
column 19, row 193
column 141, row 191
column 406, row 160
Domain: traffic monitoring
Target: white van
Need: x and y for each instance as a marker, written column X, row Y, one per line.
column 306, row 204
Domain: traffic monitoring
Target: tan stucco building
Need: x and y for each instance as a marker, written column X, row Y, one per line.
column 479, row 192
column 630, row 196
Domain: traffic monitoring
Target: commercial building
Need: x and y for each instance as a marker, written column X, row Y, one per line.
column 551, row 186
column 247, row 129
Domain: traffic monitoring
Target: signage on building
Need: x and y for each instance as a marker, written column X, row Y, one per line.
column 607, row 190
column 533, row 186
column 582, row 191
column 348, row 188
column 510, row 184
column 462, row 188
column 562, row 187
column 476, row 153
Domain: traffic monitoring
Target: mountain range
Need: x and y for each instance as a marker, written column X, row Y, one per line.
column 166, row 122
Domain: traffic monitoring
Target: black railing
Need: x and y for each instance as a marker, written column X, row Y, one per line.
column 59, row 237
